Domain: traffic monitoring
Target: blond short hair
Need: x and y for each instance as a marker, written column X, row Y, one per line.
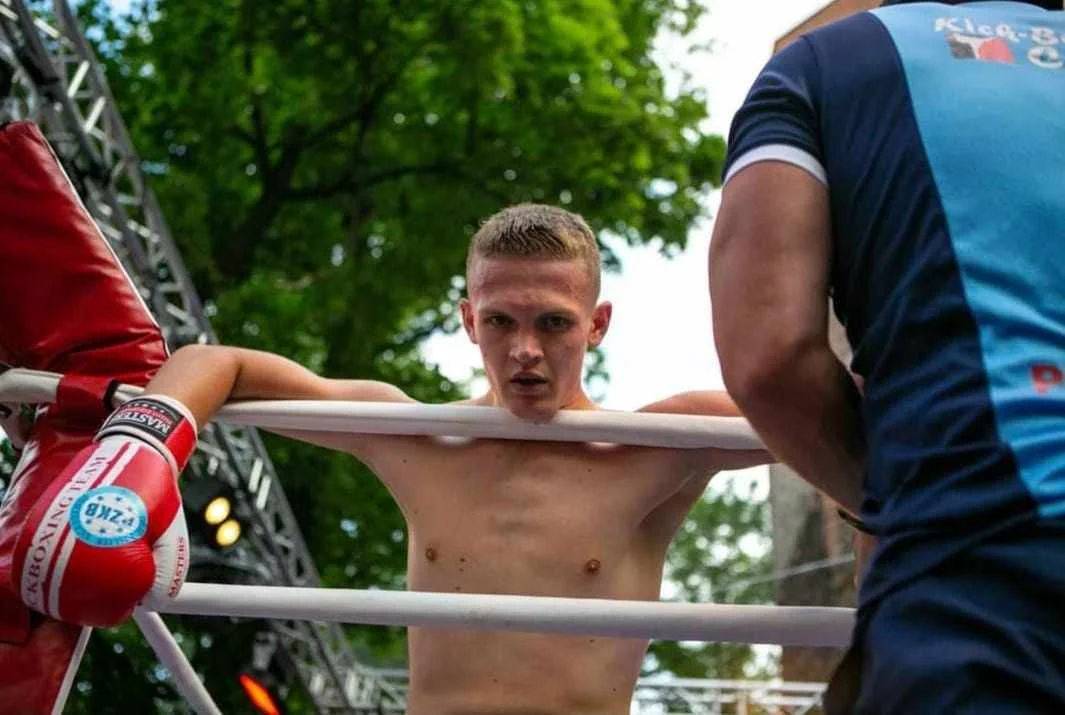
column 537, row 231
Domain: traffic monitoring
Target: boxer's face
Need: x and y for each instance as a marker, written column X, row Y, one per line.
column 533, row 320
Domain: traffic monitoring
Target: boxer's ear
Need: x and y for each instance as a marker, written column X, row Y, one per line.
column 601, row 315
column 468, row 319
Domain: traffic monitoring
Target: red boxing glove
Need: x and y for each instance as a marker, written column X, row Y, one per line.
column 109, row 532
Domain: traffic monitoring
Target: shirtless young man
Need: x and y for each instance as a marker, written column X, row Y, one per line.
column 514, row 517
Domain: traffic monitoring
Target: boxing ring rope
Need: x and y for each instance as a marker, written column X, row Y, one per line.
column 781, row 625
column 638, row 429
column 607, row 618
column 173, row 659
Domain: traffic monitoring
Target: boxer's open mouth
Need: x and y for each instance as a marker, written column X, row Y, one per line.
column 527, row 381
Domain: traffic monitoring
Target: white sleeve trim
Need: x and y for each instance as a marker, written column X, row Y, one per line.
column 779, row 152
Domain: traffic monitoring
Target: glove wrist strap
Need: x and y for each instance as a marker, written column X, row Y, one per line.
column 159, row 420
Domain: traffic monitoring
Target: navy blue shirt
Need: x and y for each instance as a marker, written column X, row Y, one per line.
column 939, row 131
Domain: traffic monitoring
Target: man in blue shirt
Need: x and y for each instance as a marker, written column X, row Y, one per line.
column 906, row 167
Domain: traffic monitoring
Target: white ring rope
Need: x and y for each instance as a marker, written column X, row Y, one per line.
column 781, row 625
column 640, row 429
column 634, row 428
column 172, row 658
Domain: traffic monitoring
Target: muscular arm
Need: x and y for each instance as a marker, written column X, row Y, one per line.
column 769, row 261
column 709, row 403
column 696, row 466
column 204, row 377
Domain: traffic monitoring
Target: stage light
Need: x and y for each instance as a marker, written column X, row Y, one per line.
column 259, row 696
column 228, row 533
column 217, row 510
column 212, row 512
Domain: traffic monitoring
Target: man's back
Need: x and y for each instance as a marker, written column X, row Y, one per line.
column 496, row 516
column 940, row 132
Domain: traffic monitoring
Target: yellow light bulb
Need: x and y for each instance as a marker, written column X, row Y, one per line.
column 217, row 511
column 228, row 533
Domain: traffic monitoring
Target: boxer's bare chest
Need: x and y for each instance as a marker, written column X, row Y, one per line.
column 492, row 516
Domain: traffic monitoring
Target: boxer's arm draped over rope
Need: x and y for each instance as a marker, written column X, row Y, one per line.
column 709, row 403
column 204, row 377
column 769, row 262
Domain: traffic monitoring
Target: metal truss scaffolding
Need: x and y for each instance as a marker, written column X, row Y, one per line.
column 686, row 696
column 58, row 83
column 50, row 75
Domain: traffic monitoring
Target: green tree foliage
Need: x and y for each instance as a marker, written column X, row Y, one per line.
column 721, row 546
column 322, row 165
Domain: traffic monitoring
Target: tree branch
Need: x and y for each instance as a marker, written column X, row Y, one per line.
column 366, row 112
column 257, row 138
column 353, row 182
column 236, row 254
